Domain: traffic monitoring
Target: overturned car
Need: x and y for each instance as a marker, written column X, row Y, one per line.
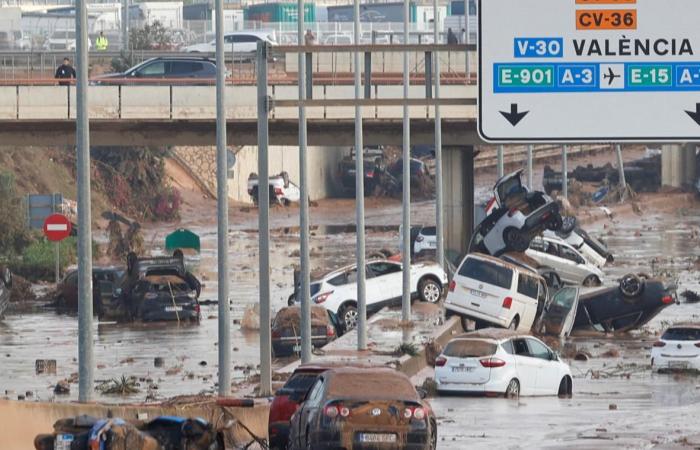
column 515, row 216
column 155, row 289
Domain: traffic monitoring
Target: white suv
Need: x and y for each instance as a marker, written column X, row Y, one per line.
column 490, row 290
column 337, row 291
column 569, row 263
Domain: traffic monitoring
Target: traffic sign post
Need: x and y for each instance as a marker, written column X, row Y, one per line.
column 589, row 70
column 57, row 227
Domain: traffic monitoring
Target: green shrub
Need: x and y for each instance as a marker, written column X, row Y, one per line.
column 38, row 259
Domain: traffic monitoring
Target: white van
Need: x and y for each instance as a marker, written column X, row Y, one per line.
column 492, row 291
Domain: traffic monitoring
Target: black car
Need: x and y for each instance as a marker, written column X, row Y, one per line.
column 633, row 303
column 106, row 282
column 156, row 289
column 165, row 70
column 374, row 166
column 5, row 286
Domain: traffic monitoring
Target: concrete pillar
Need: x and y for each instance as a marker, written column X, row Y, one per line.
column 678, row 165
column 458, row 194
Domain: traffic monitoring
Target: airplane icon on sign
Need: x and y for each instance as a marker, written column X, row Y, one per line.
column 610, row 76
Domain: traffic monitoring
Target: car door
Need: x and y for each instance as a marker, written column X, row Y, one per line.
column 578, row 269
column 565, row 267
column 527, row 367
column 547, row 378
column 559, row 313
column 385, row 285
column 309, row 410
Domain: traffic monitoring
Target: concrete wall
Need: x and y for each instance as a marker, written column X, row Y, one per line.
column 322, row 164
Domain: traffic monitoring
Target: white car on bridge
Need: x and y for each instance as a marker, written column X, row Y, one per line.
column 245, row 43
column 337, row 291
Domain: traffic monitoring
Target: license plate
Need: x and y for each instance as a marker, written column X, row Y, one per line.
column 63, row 441
column 173, row 308
column 377, row 437
column 462, row 369
column 477, row 293
column 297, row 348
column 678, row 365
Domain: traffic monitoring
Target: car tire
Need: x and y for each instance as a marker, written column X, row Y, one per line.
column 348, row 315
column 591, row 281
column 569, row 223
column 515, row 239
column 290, row 300
column 631, row 285
column 514, row 324
column 430, row 291
column 513, row 389
column 565, row 388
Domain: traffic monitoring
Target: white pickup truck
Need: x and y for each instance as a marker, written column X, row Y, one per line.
column 282, row 191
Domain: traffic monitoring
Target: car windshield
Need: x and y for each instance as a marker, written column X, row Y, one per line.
column 487, row 272
column 464, row 348
column 298, row 383
column 682, row 334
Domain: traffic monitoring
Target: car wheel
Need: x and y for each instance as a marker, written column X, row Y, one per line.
column 515, row 240
column 568, row 225
column 565, row 388
column 349, row 316
column 631, row 285
column 430, row 291
column 513, row 324
column 591, row 281
column 513, row 389
column 290, row 300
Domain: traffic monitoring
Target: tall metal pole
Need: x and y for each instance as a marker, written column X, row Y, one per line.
column 439, row 206
column 621, row 167
column 305, row 291
column 466, row 39
column 264, row 224
column 222, row 208
column 564, row 172
column 359, row 196
column 499, row 153
column 82, row 135
column 125, row 25
column 530, row 181
column 406, row 219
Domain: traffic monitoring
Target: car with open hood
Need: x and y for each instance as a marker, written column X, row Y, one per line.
column 517, row 215
column 156, row 289
column 363, row 408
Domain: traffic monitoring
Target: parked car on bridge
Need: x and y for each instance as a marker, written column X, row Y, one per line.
column 517, row 215
column 245, row 43
column 337, row 290
column 571, row 266
column 5, row 287
column 677, row 349
column 165, row 70
column 363, row 408
column 63, row 39
column 501, row 363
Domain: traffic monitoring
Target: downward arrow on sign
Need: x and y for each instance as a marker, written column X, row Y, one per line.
column 695, row 115
column 514, row 117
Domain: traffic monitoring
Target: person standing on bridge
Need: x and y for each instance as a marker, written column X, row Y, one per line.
column 65, row 71
column 102, row 43
column 309, row 38
column 451, row 37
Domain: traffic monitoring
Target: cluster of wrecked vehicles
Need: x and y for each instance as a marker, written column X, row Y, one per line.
column 148, row 289
column 529, row 268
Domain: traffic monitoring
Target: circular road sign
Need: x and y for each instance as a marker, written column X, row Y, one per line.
column 57, row 227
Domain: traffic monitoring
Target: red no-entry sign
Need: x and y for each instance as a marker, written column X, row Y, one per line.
column 57, row 227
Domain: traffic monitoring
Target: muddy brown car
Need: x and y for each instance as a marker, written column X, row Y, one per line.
column 351, row 408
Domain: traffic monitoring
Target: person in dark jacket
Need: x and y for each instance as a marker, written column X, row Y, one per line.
column 65, row 71
column 451, row 37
